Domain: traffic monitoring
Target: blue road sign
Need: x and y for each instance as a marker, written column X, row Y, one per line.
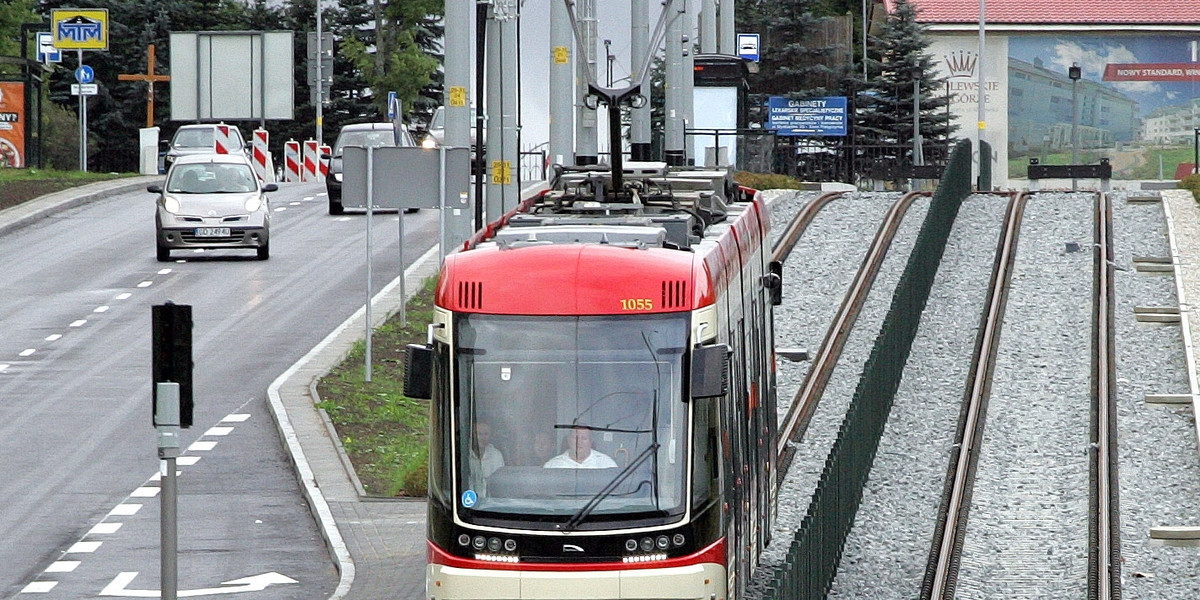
column 85, row 74
column 46, row 52
column 747, row 46
column 391, row 105
column 811, row 117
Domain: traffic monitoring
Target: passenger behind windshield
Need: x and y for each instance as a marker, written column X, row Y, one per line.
column 580, row 455
column 485, row 458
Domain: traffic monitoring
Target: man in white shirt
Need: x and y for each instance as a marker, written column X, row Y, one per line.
column 579, row 454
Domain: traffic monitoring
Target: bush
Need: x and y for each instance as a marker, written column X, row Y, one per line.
column 1191, row 182
column 766, row 181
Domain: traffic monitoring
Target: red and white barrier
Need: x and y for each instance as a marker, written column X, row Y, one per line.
column 260, row 155
column 223, row 139
column 291, row 161
column 324, row 162
column 310, row 172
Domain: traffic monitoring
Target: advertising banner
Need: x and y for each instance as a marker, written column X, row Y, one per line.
column 12, row 124
column 813, row 117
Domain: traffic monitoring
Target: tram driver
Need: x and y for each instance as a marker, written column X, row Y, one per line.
column 579, row 454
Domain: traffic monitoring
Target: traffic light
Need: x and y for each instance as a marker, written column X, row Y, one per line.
column 171, row 349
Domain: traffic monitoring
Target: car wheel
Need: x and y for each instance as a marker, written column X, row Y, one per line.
column 264, row 252
column 163, row 254
column 335, row 207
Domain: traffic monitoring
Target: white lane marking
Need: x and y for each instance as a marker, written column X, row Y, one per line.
column 295, row 203
column 125, row 510
column 100, row 309
column 27, row 351
column 83, row 547
column 343, row 218
column 254, row 583
column 308, row 197
column 281, row 209
column 62, row 566
column 52, row 338
column 39, row 587
column 3, row 366
column 144, row 492
column 163, row 271
column 218, row 431
column 201, row 446
column 78, row 323
column 123, row 296
column 144, row 284
column 104, row 528
column 187, row 461
column 235, row 418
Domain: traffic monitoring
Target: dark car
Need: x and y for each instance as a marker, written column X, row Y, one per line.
column 374, row 135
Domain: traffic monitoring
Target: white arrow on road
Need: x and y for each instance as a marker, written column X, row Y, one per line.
column 254, row 583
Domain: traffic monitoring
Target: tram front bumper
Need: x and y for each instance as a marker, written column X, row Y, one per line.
column 704, row 581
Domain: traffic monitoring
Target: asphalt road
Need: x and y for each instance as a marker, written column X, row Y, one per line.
column 78, row 460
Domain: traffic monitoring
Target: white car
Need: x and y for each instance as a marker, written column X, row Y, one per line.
column 212, row 201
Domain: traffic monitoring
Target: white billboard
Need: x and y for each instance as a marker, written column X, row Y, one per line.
column 231, row 75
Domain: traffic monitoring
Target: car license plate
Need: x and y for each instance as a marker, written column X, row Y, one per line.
column 212, row 232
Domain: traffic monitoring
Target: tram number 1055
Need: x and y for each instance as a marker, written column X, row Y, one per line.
column 637, row 304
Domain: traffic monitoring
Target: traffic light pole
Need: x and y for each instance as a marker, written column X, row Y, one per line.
column 167, row 417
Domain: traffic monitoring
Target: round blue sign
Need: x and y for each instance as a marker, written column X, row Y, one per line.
column 84, row 74
column 469, row 498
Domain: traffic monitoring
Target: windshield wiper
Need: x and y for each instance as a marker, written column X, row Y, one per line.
column 609, row 488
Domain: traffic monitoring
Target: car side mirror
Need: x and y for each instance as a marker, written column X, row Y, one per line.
column 326, row 155
column 270, row 187
column 154, row 189
column 710, row 371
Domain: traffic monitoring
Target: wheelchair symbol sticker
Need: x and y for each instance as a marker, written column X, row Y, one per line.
column 469, row 498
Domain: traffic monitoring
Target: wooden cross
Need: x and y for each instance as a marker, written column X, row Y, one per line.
column 149, row 77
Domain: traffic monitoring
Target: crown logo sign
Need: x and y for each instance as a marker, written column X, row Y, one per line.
column 962, row 64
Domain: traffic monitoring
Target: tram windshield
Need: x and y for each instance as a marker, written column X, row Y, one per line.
column 571, row 422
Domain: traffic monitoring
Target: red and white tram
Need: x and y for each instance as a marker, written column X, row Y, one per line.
column 601, row 376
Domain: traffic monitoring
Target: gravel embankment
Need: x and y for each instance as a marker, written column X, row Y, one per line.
column 886, row 551
column 831, row 251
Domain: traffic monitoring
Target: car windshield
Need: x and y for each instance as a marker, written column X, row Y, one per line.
column 200, row 137
column 370, row 138
column 211, row 178
column 571, row 420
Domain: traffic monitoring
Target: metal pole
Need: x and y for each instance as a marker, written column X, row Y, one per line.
column 864, row 8
column 83, row 157
column 167, row 419
column 320, row 79
column 562, row 78
column 981, row 134
column 370, row 217
column 726, row 36
column 586, row 144
column 673, row 139
column 1074, row 130
column 639, row 35
column 708, row 26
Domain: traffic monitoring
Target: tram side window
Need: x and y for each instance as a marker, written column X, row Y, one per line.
column 439, row 441
column 704, row 464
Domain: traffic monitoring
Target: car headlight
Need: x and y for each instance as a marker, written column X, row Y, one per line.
column 337, row 177
column 171, row 204
column 429, row 143
column 253, row 203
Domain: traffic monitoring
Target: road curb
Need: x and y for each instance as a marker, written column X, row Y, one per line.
column 23, row 214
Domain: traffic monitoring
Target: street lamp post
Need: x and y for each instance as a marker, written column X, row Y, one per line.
column 1074, row 73
column 609, row 56
column 982, row 95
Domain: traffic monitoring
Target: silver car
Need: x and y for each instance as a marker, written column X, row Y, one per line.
column 199, row 139
column 212, row 201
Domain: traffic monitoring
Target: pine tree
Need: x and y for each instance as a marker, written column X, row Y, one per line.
column 885, row 109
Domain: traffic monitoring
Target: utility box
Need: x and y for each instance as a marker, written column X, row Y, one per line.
column 148, row 144
column 720, row 87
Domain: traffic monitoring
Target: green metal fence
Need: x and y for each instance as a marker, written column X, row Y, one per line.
column 812, row 558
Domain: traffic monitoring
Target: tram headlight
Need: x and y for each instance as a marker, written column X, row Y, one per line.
column 677, row 539
column 510, row 545
column 493, row 544
column 631, row 545
column 663, row 542
column 647, row 544
column 464, row 539
column 479, row 542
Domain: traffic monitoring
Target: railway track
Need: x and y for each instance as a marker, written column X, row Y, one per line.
column 800, row 412
column 1028, row 564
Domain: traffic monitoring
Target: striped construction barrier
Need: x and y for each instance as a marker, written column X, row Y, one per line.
column 260, row 155
column 291, row 161
column 223, row 139
column 324, row 162
column 310, row 171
